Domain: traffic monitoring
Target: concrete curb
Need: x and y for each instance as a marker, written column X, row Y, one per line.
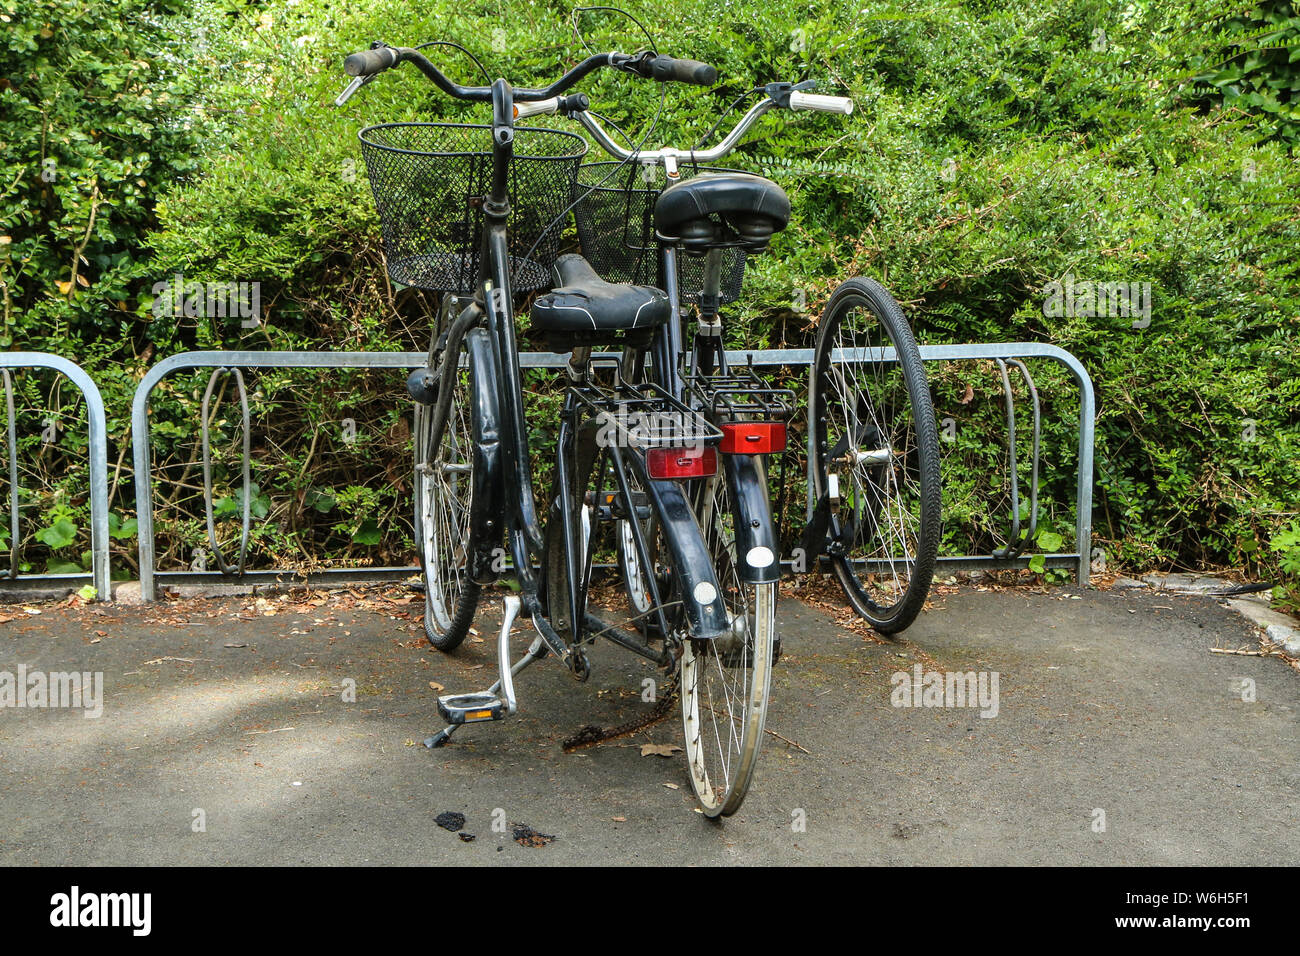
column 1281, row 629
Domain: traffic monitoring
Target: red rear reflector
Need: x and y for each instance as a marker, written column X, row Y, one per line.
column 753, row 438
column 670, row 463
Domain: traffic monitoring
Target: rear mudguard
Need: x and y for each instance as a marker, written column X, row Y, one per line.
column 757, row 554
column 706, row 614
column 489, row 497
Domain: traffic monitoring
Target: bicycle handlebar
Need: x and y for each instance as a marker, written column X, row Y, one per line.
column 792, row 96
column 369, row 63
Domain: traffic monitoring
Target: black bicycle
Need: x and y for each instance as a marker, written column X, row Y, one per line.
column 873, row 453
column 470, row 211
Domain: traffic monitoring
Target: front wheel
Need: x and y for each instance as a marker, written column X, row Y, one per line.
column 448, row 506
column 875, row 454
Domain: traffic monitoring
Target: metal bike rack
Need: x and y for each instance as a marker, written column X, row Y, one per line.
column 233, row 362
column 98, row 453
column 1009, row 556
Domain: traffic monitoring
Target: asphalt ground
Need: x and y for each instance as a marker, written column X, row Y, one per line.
column 225, row 738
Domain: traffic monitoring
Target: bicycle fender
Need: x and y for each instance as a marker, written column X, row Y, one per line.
column 706, row 614
column 757, row 550
column 485, row 413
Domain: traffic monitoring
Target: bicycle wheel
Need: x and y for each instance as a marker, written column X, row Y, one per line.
column 446, row 508
column 875, row 443
column 725, row 683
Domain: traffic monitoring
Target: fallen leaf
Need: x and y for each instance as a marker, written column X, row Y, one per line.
column 659, row 750
column 236, row 645
column 619, row 819
column 970, row 394
column 672, row 786
column 434, row 685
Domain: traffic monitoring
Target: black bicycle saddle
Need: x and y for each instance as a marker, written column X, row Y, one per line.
column 585, row 306
column 722, row 209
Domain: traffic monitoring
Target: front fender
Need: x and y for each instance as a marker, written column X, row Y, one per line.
column 488, row 507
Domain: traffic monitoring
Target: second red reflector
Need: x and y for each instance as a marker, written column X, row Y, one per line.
column 753, row 438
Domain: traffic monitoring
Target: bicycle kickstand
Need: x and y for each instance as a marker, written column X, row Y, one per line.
column 498, row 701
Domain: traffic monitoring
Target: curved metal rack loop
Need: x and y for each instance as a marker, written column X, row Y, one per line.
column 11, row 444
column 1016, row 543
column 238, row 568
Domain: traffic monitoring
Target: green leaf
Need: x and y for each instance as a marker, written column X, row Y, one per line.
column 1038, row 564
column 63, row 567
column 119, row 529
column 368, row 533
column 1050, row 541
column 60, row 534
column 320, row 499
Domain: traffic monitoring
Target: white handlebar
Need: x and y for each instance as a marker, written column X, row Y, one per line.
column 826, row 104
column 798, row 100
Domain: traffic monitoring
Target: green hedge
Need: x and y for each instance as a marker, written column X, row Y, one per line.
column 993, row 152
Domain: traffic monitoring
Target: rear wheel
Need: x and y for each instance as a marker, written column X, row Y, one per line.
column 875, row 454
column 445, row 505
column 725, row 682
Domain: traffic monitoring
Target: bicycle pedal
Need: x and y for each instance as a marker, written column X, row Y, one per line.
column 470, row 708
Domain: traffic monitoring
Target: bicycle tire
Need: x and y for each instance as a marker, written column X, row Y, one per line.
column 450, row 512
column 896, row 452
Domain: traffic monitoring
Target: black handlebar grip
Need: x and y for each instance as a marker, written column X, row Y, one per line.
column 669, row 68
column 370, row 62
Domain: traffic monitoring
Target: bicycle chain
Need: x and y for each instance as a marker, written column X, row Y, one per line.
column 591, row 735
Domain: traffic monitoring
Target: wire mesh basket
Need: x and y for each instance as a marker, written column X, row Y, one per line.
column 616, row 228
column 430, row 180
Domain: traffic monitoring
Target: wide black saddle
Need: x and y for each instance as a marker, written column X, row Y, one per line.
column 584, row 309
column 714, row 210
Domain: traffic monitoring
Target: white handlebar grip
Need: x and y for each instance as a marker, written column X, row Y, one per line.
column 826, row 104
column 526, row 109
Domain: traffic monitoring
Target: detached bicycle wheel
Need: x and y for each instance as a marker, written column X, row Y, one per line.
column 725, row 682
column 445, row 504
column 875, row 459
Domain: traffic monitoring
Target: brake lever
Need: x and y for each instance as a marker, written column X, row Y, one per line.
column 638, row 63
column 779, row 93
column 356, row 84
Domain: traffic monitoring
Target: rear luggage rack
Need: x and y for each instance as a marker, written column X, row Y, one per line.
column 740, row 396
column 644, row 416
